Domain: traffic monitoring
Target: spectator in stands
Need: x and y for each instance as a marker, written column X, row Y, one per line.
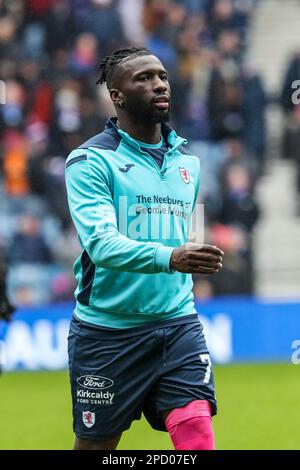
column 238, row 203
column 226, row 102
column 104, row 23
column 84, row 57
column 28, row 244
column 291, row 107
column 8, row 38
column 222, row 17
column 15, row 162
column 237, row 278
column 254, row 134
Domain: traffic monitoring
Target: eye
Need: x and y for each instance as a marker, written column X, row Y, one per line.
column 164, row 77
column 143, row 78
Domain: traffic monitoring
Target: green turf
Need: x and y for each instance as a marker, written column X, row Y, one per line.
column 258, row 409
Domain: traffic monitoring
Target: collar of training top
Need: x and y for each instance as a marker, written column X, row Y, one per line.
column 168, row 133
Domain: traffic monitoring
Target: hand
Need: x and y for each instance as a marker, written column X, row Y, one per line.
column 196, row 258
column 6, row 309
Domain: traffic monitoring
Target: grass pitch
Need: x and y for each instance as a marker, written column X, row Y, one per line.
column 259, row 408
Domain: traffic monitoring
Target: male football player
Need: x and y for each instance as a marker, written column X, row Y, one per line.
column 136, row 344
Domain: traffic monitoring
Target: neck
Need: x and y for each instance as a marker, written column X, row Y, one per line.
column 145, row 132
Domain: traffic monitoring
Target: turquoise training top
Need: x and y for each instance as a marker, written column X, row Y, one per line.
column 129, row 215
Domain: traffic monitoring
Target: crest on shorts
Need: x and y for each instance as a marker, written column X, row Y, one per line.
column 88, row 418
column 185, row 174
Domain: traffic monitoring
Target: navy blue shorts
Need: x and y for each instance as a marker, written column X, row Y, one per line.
column 118, row 374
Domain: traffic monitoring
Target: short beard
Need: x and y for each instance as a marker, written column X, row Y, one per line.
column 142, row 113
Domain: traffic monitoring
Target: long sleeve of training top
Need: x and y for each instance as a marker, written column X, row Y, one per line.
column 90, row 198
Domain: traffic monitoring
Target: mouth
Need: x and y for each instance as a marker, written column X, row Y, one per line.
column 162, row 102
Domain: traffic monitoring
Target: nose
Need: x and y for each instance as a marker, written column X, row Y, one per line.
column 160, row 85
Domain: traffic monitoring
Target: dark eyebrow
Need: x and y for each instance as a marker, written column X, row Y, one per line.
column 149, row 71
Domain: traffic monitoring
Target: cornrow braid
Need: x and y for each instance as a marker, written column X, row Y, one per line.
column 108, row 65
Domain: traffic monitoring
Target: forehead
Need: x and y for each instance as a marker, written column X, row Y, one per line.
column 141, row 64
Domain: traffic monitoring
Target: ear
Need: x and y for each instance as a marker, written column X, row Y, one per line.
column 117, row 97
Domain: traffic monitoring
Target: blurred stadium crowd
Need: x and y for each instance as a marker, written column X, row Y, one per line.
column 49, row 53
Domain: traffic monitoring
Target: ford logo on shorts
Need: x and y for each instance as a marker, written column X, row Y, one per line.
column 94, row 382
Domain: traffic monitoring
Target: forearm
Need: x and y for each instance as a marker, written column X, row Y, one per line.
column 117, row 252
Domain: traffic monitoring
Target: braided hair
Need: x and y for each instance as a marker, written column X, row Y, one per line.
column 108, row 65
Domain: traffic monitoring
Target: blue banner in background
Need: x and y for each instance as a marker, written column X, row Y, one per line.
column 36, row 338
column 249, row 330
column 236, row 329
